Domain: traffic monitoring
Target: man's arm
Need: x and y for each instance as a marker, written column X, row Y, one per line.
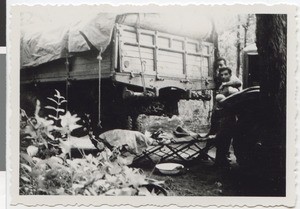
column 234, row 82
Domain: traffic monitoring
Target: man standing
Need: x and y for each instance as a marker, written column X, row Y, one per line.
column 223, row 122
column 226, row 84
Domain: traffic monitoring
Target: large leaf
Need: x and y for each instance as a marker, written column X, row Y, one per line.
column 58, row 95
column 26, row 157
column 115, row 169
column 92, row 191
column 50, row 108
column 73, row 164
column 137, row 180
column 32, row 150
column 69, row 122
column 53, row 100
column 42, row 122
column 60, row 110
column 98, row 174
column 36, row 159
column 100, row 183
column 55, row 109
column 143, row 191
column 53, row 117
column 125, row 160
column 60, row 191
column 51, row 174
column 78, row 188
column 111, row 179
column 57, row 160
column 24, row 178
column 66, row 146
column 62, row 101
column 26, row 167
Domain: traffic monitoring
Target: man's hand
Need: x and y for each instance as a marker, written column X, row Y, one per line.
column 222, row 85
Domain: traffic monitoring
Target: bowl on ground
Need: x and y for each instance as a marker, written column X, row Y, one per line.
column 169, row 168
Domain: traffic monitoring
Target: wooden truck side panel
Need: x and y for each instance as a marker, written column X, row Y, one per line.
column 84, row 66
column 163, row 53
column 177, row 61
column 167, row 61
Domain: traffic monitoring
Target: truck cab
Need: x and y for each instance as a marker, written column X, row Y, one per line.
column 251, row 68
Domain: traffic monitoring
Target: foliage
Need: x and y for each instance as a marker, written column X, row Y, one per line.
column 46, row 137
column 244, row 25
column 46, row 166
column 58, row 100
column 105, row 174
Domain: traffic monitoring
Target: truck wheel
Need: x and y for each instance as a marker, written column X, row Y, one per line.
column 171, row 108
column 137, row 123
column 128, row 122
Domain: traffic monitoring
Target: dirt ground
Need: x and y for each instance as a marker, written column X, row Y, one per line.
column 201, row 177
column 196, row 180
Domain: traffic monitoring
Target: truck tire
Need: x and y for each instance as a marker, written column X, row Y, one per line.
column 127, row 122
column 172, row 108
column 131, row 122
column 137, row 123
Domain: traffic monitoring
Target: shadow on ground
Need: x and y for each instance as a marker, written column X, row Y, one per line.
column 202, row 178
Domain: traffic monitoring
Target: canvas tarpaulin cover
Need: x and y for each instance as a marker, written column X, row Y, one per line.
column 47, row 42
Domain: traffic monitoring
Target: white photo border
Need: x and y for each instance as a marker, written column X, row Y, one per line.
column 13, row 84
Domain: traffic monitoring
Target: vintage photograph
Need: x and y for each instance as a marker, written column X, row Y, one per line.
column 169, row 101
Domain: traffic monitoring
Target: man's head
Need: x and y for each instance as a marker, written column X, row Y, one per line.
column 225, row 74
column 221, row 62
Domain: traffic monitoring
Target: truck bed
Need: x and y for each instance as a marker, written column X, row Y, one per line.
column 178, row 61
column 169, row 61
column 84, row 66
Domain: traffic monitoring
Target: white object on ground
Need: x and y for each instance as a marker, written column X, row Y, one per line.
column 169, row 168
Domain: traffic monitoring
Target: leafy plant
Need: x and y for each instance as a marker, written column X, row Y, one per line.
column 46, row 169
column 58, row 100
column 104, row 174
column 46, row 137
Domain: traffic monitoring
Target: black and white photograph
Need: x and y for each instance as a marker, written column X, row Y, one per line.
column 175, row 102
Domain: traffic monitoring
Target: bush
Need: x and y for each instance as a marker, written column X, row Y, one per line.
column 46, row 166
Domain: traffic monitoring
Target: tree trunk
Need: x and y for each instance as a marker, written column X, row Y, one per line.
column 214, row 39
column 238, row 47
column 246, row 26
column 271, row 35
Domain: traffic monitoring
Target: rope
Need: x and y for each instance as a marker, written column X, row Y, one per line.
column 67, row 81
column 99, row 89
column 143, row 63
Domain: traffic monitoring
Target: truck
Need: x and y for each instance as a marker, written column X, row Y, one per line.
column 119, row 66
column 251, row 66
